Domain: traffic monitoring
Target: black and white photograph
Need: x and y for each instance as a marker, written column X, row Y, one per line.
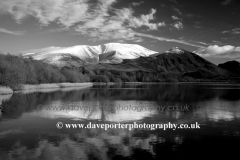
column 119, row 79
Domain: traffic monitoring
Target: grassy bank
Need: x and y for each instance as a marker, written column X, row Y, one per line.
column 55, row 86
column 43, row 87
column 5, row 90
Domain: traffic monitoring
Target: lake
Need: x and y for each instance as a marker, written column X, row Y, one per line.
column 28, row 122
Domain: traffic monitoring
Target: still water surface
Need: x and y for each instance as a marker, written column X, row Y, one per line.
column 28, row 122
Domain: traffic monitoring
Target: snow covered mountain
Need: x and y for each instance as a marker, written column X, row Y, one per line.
column 82, row 54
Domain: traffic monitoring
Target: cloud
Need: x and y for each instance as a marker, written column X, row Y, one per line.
column 175, row 18
column 144, row 20
column 234, row 31
column 119, row 25
column 214, row 42
column 178, row 25
column 32, row 51
column 64, row 12
column 220, row 51
column 203, row 43
column 177, row 10
column 137, row 3
column 178, row 22
column 19, row 33
column 97, row 21
column 194, row 44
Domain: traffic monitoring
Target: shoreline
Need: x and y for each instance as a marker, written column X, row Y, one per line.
column 5, row 90
column 58, row 86
column 43, row 87
column 175, row 82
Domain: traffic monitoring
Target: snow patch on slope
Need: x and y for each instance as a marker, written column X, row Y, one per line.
column 128, row 51
column 175, row 50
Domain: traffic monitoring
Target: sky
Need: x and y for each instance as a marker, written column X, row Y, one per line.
column 209, row 28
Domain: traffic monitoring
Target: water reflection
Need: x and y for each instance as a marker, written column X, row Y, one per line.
column 2, row 99
column 29, row 132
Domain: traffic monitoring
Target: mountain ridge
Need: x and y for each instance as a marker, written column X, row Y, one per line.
column 88, row 54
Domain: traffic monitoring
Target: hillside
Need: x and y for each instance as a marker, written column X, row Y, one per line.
column 231, row 66
column 173, row 62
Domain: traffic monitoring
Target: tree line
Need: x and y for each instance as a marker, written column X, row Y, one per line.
column 15, row 70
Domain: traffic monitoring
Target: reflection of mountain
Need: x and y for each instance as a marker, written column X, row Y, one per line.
column 103, row 146
column 122, row 144
column 113, row 111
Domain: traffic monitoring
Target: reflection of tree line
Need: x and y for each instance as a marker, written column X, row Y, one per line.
column 164, row 95
column 20, row 103
column 165, row 92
